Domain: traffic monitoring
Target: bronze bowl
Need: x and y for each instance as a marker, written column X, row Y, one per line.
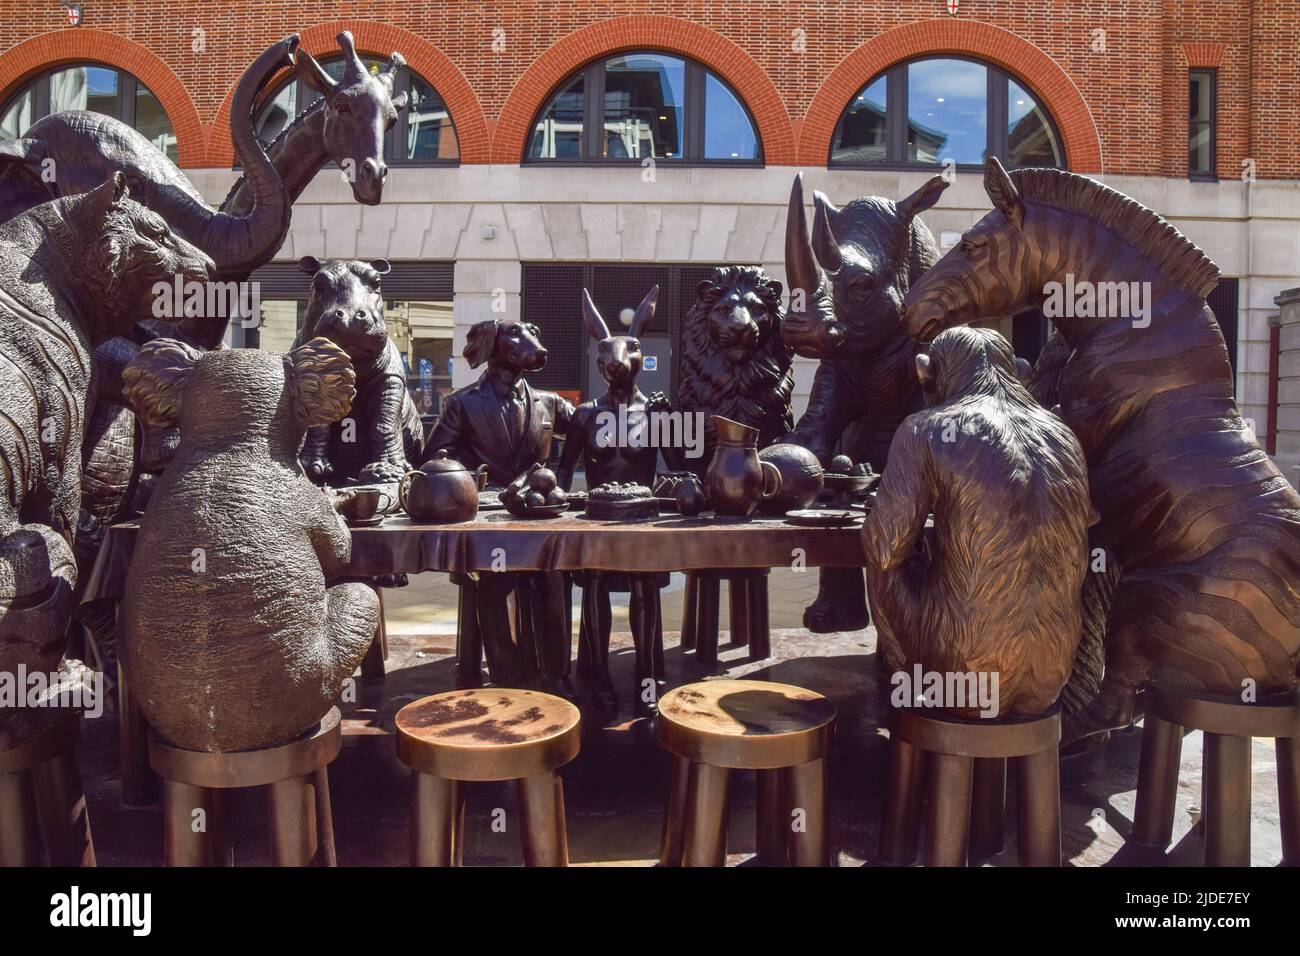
column 801, row 478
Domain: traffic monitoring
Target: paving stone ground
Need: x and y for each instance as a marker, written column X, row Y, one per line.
column 614, row 789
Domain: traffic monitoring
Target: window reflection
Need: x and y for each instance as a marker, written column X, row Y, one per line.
column 727, row 130
column 643, row 106
column 558, row 133
column 861, row 137
column 1031, row 140
column 947, row 111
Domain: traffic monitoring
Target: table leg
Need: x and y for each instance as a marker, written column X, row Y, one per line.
column 139, row 783
column 469, row 644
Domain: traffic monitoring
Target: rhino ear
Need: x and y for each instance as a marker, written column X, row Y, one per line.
column 322, row 381
column 309, row 264
column 923, row 198
column 1003, row 192
column 154, row 381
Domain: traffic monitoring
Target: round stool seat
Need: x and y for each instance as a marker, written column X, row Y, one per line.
column 937, row 732
column 54, row 740
column 1274, row 716
column 482, row 734
column 745, row 724
column 250, row 768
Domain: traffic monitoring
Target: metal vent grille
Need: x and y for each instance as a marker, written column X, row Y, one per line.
column 1222, row 301
column 552, row 301
column 408, row 280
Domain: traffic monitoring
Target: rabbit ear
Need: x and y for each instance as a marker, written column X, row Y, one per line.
column 591, row 317
column 645, row 312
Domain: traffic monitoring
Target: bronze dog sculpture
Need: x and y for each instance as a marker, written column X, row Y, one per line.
column 234, row 633
column 847, row 281
column 995, row 590
column 1205, row 527
column 502, row 422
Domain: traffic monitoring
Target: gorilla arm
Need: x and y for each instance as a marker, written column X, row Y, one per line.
column 896, row 567
column 832, row 405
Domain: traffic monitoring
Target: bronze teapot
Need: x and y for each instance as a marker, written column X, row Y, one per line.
column 442, row 490
column 737, row 480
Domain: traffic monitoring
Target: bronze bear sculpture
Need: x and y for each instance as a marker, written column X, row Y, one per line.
column 994, row 588
column 382, row 435
column 74, row 273
column 234, row 632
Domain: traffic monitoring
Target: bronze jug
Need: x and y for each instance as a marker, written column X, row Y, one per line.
column 442, row 490
column 738, row 481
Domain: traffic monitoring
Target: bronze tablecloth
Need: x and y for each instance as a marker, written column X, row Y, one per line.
column 667, row 543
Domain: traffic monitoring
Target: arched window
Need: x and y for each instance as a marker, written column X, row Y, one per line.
column 423, row 133
column 934, row 110
column 100, row 89
column 634, row 106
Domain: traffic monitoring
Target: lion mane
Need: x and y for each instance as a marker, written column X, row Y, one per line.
column 756, row 392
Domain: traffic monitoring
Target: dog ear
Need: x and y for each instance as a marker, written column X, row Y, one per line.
column 322, row 381
column 154, row 381
column 481, row 342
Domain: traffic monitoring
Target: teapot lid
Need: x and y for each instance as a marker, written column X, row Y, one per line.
column 442, row 464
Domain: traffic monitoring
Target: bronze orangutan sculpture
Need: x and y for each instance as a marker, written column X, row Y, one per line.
column 995, row 589
column 1205, row 527
column 234, row 632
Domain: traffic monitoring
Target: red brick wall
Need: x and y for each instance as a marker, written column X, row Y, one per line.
column 1122, row 110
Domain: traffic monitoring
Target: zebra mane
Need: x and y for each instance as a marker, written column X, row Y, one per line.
column 1178, row 258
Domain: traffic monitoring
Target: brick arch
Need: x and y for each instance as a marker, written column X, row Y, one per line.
column 381, row 39
column 645, row 32
column 1017, row 56
column 82, row 45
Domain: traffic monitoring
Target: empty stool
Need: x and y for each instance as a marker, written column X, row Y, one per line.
column 964, row 766
column 1228, row 724
column 297, row 798
column 747, row 597
column 716, row 726
column 481, row 734
column 42, row 802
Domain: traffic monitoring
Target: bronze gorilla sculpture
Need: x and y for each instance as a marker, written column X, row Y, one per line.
column 994, row 587
column 382, row 435
column 74, row 273
column 234, row 634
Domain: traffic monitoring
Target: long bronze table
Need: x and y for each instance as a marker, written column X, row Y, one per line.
column 496, row 541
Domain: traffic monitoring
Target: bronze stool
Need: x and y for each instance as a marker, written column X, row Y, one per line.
column 964, row 765
column 747, row 597
column 482, row 734
column 1228, row 725
column 42, row 801
column 297, row 797
column 716, row 726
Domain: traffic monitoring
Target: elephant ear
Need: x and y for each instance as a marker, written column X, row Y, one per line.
column 322, row 381
column 154, row 381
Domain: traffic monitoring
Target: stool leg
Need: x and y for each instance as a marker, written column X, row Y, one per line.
column 988, row 805
column 221, row 852
column 947, row 809
column 20, row 842
column 139, row 783
column 61, row 804
column 436, row 820
column 469, row 644
column 705, row 838
column 183, row 845
column 325, row 852
column 738, row 610
column 1288, row 797
column 1038, row 808
column 806, row 784
column 383, row 624
column 1157, row 789
column 706, row 621
column 690, row 610
column 772, row 818
column 1227, row 800
column 291, row 813
column 659, row 635
column 545, row 836
column 901, row 830
column 671, row 840
column 760, row 635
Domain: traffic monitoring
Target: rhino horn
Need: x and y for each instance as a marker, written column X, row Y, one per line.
column 801, row 269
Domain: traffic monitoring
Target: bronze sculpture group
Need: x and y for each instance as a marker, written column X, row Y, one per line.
column 238, row 630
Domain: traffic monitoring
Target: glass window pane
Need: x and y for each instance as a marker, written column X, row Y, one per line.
column 1200, row 98
column 1030, row 140
column 91, row 88
column 278, row 113
column 861, row 134
column 644, row 106
column 152, row 123
column 558, row 134
column 1200, row 141
column 429, row 133
column 18, row 116
column 947, row 111
column 728, row 134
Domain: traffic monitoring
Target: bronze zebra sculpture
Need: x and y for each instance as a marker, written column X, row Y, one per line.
column 1205, row 527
